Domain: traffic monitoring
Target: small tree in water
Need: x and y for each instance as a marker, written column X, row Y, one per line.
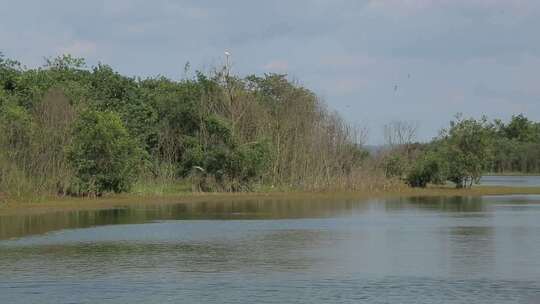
column 466, row 148
column 460, row 155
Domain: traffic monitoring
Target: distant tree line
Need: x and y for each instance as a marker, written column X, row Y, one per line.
column 69, row 129
column 465, row 151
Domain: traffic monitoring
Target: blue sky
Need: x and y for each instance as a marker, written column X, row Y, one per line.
column 447, row 56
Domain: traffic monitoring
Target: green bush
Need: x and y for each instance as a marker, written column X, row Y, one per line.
column 394, row 166
column 192, row 156
column 234, row 168
column 16, row 129
column 102, row 154
column 249, row 161
column 467, row 147
column 429, row 168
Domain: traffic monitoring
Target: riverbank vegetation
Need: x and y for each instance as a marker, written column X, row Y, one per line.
column 68, row 129
column 466, row 150
column 71, row 130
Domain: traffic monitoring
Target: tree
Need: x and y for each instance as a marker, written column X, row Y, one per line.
column 399, row 137
column 16, row 128
column 394, row 165
column 466, row 145
column 248, row 162
column 234, row 131
column 400, row 134
column 9, row 69
column 430, row 167
column 520, row 128
column 102, row 154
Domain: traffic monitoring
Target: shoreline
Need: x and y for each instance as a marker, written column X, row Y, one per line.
column 67, row 204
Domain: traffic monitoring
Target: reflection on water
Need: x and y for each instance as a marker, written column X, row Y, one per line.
column 15, row 226
column 23, row 225
column 448, row 204
column 402, row 250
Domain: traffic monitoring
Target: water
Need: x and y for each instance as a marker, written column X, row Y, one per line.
column 510, row 181
column 415, row 250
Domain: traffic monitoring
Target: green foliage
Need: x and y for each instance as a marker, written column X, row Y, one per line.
column 469, row 148
column 223, row 132
column 219, row 129
column 516, row 146
column 394, row 166
column 233, row 130
column 141, row 121
column 193, row 156
column 521, row 129
column 102, row 154
column 32, row 159
column 466, row 145
column 9, row 71
column 249, row 161
column 15, row 127
column 65, row 62
column 236, row 168
column 429, row 168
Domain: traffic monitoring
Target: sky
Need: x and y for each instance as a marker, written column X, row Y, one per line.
column 374, row 61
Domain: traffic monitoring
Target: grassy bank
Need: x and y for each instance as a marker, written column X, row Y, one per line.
column 55, row 204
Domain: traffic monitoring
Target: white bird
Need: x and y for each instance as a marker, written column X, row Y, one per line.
column 227, row 53
column 199, row 168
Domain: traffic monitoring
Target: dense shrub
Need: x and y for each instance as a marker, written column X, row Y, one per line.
column 16, row 128
column 102, row 154
column 232, row 132
column 394, row 166
column 428, row 168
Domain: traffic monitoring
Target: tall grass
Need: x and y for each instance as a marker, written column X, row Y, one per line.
column 32, row 149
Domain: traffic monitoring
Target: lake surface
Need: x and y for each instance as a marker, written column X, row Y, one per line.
column 510, row 181
column 414, row 250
